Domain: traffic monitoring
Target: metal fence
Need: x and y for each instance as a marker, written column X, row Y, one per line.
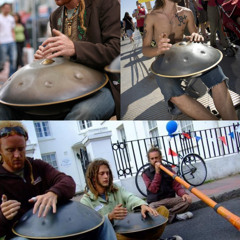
column 210, row 143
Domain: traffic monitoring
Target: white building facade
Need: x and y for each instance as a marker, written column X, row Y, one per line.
column 70, row 145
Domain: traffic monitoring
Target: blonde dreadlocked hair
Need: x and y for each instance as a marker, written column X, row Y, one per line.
column 81, row 14
column 92, row 174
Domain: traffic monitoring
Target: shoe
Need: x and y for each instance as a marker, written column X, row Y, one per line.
column 184, row 216
column 175, row 237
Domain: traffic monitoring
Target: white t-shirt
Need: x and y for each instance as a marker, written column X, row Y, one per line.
column 7, row 24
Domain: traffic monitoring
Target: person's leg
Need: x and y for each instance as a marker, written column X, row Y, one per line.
column 223, row 102
column 171, row 89
column 12, row 57
column 216, row 80
column 106, row 231
column 192, row 108
column 99, row 106
column 8, row 113
column 212, row 14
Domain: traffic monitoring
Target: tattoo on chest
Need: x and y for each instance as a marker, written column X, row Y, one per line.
column 181, row 19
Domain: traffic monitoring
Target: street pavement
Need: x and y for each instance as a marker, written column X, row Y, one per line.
column 141, row 98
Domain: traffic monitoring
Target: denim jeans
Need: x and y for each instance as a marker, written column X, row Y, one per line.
column 99, row 106
column 105, row 232
column 171, row 87
column 10, row 50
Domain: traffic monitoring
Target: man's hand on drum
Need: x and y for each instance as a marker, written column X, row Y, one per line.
column 59, row 45
column 195, row 37
column 9, row 208
column 145, row 209
column 118, row 213
column 163, row 44
column 44, row 203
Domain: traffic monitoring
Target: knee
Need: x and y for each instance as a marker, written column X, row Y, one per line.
column 176, row 99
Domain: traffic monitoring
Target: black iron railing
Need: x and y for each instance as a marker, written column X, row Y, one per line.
column 210, row 143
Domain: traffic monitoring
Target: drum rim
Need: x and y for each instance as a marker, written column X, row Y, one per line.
column 191, row 74
column 141, row 230
column 58, row 102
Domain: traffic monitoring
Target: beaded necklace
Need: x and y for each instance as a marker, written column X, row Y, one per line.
column 70, row 20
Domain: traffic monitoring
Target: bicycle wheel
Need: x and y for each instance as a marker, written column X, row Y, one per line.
column 193, row 169
column 141, row 187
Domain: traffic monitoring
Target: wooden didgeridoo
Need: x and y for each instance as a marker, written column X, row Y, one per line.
column 232, row 218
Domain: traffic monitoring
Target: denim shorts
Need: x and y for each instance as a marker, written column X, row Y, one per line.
column 171, row 87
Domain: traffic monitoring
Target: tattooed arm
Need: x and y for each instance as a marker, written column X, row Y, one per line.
column 148, row 35
column 193, row 29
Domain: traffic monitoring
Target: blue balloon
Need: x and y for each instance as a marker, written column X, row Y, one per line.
column 171, row 127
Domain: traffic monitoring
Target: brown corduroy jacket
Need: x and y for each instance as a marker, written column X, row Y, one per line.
column 102, row 43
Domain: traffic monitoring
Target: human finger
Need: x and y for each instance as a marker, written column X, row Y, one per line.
column 57, row 33
column 4, row 198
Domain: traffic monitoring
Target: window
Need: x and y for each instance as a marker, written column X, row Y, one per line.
column 42, row 129
column 153, row 132
column 50, row 158
column 85, row 124
column 187, row 126
column 122, row 135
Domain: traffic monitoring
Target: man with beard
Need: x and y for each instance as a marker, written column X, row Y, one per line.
column 86, row 32
column 110, row 200
column 27, row 183
column 161, row 189
column 166, row 25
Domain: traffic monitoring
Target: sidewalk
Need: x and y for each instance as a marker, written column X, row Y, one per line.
column 219, row 191
column 141, row 98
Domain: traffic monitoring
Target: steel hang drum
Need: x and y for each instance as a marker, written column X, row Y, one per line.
column 135, row 227
column 46, row 87
column 186, row 59
column 73, row 220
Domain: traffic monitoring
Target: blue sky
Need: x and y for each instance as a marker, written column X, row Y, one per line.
column 129, row 6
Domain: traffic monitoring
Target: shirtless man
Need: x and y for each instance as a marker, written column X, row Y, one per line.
column 166, row 24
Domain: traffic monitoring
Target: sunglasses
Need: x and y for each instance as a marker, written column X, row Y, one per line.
column 9, row 131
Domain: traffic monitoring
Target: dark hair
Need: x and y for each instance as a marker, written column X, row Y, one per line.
column 159, row 4
column 6, row 4
column 19, row 18
column 126, row 15
column 153, row 149
column 92, row 173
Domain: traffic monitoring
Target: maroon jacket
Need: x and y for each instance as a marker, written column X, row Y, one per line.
column 46, row 178
column 161, row 185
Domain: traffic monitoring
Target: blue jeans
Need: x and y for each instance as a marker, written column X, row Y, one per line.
column 99, row 106
column 105, row 232
column 171, row 87
column 10, row 50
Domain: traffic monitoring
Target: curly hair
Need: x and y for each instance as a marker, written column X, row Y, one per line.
column 154, row 149
column 159, row 4
column 92, row 174
column 81, row 14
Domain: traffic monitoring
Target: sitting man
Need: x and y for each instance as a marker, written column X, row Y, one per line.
column 88, row 33
column 166, row 24
column 27, row 183
column 161, row 189
column 109, row 199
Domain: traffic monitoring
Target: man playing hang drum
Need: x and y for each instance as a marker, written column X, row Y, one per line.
column 166, row 24
column 27, row 183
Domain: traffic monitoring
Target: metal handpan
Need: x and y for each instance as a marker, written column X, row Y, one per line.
column 114, row 66
column 185, row 59
column 45, row 83
column 136, row 227
column 73, row 220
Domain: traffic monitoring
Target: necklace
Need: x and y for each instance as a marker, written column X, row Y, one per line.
column 170, row 19
column 70, row 20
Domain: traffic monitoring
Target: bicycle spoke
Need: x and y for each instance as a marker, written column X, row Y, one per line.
column 193, row 169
